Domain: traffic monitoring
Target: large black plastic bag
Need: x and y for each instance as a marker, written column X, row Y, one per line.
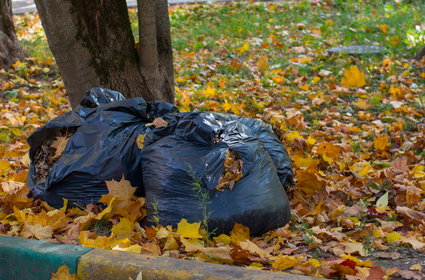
column 185, row 152
column 102, row 148
column 92, row 99
column 275, row 148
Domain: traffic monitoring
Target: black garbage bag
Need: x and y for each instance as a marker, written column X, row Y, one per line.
column 275, row 148
column 92, row 99
column 182, row 165
column 102, row 147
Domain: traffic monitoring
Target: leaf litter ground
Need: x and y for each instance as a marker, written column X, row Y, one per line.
column 353, row 125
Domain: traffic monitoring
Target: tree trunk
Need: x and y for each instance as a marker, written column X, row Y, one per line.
column 93, row 45
column 419, row 55
column 10, row 50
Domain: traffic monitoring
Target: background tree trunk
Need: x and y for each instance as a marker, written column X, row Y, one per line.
column 420, row 55
column 10, row 50
column 93, row 45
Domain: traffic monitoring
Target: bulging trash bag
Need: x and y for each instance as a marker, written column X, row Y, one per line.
column 275, row 148
column 183, row 166
column 101, row 147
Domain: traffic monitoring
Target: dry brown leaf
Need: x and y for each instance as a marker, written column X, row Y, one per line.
column 59, row 145
column 157, row 122
column 171, row 243
column 252, row 248
column 414, row 242
column 232, row 171
column 192, row 244
column 387, row 255
column 38, row 231
column 151, row 248
column 376, row 273
column 221, row 253
column 411, row 215
column 11, row 186
column 410, row 275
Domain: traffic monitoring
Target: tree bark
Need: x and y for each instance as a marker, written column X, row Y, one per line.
column 93, row 45
column 10, row 49
column 419, row 55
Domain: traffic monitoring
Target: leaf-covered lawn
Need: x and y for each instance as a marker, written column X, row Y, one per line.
column 353, row 125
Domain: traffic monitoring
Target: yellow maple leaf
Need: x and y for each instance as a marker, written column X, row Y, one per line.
column 329, row 152
column 121, row 189
column 63, row 274
column 239, row 233
column 381, row 143
column 188, row 230
column 285, row 262
column 353, row 78
column 123, row 229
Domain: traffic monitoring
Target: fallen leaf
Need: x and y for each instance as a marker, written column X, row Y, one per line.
column 393, row 236
column 381, row 144
column 416, row 267
column 121, row 189
column 63, row 274
column 123, row 229
column 376, row 273
column 221, row 253
column 239, row 233
column 387, row 255
column 59, row 145
column 353, row 78
column 157, row 122
column 140, row 141
column 151, row 248
column 188, row 230
column 192, row 244
column 38, row 231
column 222, row 239
column 285, row 262
column 252, row 248
column 411, row 215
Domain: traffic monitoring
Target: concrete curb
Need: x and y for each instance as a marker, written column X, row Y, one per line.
column 22, row 258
